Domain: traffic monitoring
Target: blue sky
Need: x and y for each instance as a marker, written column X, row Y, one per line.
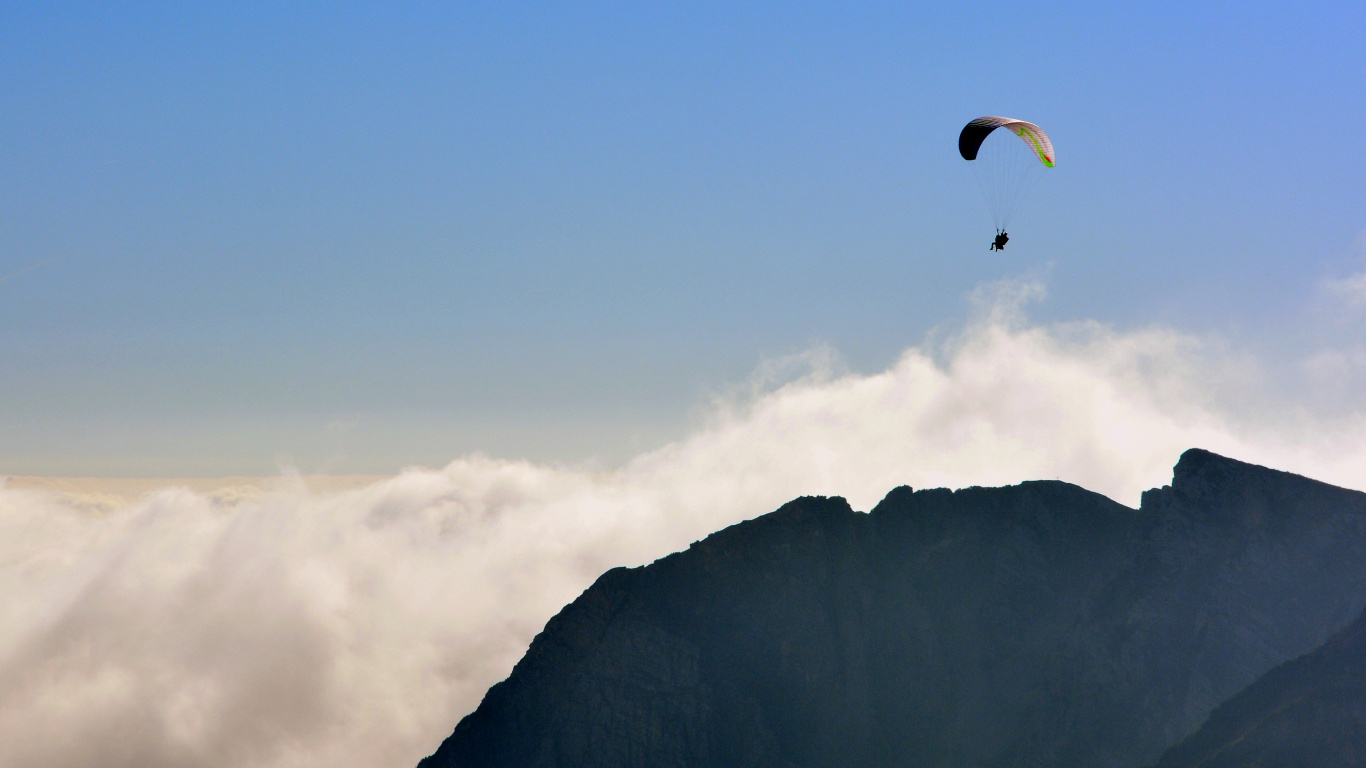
column 356, row 237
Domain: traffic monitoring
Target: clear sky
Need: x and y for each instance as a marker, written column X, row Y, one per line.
column 361, row 236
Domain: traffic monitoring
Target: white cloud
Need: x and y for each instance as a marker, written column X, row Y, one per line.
column 290, row 628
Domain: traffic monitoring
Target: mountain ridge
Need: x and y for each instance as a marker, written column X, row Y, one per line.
column 1035, row 624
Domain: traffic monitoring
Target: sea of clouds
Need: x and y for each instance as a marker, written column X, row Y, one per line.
column 355, row 628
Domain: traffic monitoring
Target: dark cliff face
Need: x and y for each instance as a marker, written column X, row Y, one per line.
column 1034, row 625
column 1306, row 713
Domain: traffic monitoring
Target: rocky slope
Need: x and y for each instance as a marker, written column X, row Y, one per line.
column 1034, row 625
column 1306, row 713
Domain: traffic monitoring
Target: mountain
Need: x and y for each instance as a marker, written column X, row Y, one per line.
column 1306, row 713
column 1034, row 625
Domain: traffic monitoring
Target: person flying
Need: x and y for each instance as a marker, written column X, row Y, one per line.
column 1005, row 163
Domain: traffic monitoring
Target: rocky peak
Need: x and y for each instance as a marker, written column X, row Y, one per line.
column 1209, row 489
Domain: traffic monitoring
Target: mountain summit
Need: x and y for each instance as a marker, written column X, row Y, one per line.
column 1034, row 625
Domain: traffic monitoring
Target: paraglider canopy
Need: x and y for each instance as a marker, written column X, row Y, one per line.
column 976, row 132
column 1005, row 169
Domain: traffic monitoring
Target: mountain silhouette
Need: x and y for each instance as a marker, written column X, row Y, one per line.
column 1033, row 625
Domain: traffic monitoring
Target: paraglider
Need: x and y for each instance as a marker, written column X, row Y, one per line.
column 1005, row 170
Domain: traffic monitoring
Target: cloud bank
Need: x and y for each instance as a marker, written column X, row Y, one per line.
column 300, row 628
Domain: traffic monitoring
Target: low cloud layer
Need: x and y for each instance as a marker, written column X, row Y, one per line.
column 300, row 628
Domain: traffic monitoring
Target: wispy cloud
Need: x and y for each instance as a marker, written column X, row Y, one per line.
column 291, row 628
column 1351, row 290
